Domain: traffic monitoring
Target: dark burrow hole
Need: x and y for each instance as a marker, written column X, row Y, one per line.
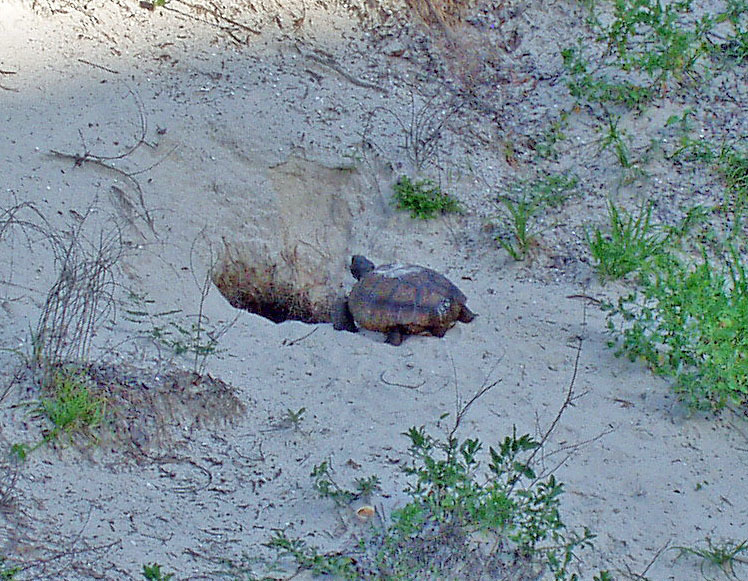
column 259, row 291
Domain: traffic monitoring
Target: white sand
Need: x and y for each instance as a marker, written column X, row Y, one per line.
column 246, row 143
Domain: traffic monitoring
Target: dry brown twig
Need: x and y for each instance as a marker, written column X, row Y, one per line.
column 423, row 127
column 8, row 88
column 81, row 297
column 88, row 157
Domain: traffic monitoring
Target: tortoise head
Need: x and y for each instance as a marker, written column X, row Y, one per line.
column 361, row 266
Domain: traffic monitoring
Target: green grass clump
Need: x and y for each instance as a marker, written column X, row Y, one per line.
column 630, row 244
column 689, row 321
column 326, row 486
column 423, row 199
column 525, row 201
column 647, row 42
column 70, row 406
column 461, row 517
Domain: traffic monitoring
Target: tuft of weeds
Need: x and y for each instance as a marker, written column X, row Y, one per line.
column 196, row 338
column 632, row 242
column 423, row 199
column 7, row 573
column 80, row 299
column 153, row 572
column 689, row 321
column 462, row 519
column 423, row 127
column 68, row 403
column 615, row 139
column 648, row 43
column 520, row 207
column 324, row 483
column 586, row 86
column 310, row 558
column 519, row 215
column 723, row 555
column 733, row 163
column 545, row 147
column 293, row 418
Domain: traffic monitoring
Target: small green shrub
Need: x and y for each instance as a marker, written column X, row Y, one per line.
column 311, row 559
column 630, row 244
column 648, row 42
column 198, row 338
column 589, row 87
column 615, row 139
column 423, row 199
column 70, row 405
column 689, row 321
column 519, row 215
column 460, row 517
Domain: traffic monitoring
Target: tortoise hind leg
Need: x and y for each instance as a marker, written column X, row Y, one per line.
column 395, row 337
column 342, row 319
column 466, row 315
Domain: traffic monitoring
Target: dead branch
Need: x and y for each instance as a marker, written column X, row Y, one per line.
column 102, row 160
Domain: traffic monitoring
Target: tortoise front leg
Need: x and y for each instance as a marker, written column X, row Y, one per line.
column 342, row 319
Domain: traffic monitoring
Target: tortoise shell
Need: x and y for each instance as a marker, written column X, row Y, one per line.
column 404, row 300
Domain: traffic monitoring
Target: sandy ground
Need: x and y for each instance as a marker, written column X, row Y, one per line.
column 277, row 127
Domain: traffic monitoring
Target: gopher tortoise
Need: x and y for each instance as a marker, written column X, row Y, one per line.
column 400, row 300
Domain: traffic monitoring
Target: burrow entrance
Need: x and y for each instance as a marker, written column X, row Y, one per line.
column 286, row 246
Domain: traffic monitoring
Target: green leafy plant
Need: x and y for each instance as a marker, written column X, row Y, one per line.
column 648, row 42
column 153, row 572
column 7, row 573
column 69, row 404
column 293, row 418
column 615, row 138
column 519, row 215
column 735, row 45
column 689, row 320
column 423, row 199
column 689, row 148
column 725, row 556
column 310, row 558
column 196, row 338
column 324, row 483
column 545, row 147
column 453, row 503
column 586, row 86
column 629, row 245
